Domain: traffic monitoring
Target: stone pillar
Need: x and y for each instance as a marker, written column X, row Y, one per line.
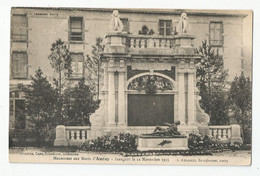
column 235, row 134
column 121, row 99
column 181, row 99
column 191, row 102
column 61, row 139
column 111, row 98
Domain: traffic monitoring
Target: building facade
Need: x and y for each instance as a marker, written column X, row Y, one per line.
column 33, row 30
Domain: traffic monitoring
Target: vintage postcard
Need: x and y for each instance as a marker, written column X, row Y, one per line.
column 130, row 86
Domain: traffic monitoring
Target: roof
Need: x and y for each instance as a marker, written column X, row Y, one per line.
column 197, row 12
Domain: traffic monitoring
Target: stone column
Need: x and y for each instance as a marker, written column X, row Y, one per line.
column 191, row 102
column 111, row 98
column 181, row 99
column 121, row 99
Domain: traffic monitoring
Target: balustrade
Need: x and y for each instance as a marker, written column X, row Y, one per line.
column 220, row 132
column 77, row 133
column 142, row 41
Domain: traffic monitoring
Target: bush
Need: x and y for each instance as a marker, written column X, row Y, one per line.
column 31, row 137
column 124, row 142
column 196, row 142
column 20, row 138
column 43, row 137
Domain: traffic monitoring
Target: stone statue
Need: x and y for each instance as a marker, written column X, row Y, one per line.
column 116, row 24
column 183, row 25
column 170, row 131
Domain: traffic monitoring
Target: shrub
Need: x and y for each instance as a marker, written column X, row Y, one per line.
column 20, row 138
column 197, row 142
column 124, row 142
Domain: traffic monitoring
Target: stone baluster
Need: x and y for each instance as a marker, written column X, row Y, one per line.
column 146, row 42
column 138, row 42
column 131, row 43
column 156, row 43
column 215, row 133
column 159, row 43
column 210, row 132
column 164, row 41
column 219, row 133
column 72, row 134
column 68, row 134
column 229, row 133
column 78, row 134
column 224, row 134
column 135, row 43
column 168, row 43
column 150, row 43
column 171, row 43
column 83, row 135
column 142, row 43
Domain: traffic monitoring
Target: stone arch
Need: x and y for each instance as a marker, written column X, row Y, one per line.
column 151, row 74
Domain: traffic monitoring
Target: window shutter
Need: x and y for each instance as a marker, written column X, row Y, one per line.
column 76, row 25
column 19, row 65
column 216, row 33
column 76, row 29
column 77, row 65
column 19, row 24
column 125, row 24
column 19, row 21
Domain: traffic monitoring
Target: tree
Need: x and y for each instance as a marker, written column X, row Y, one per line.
column 240, row 96
column 211, row 81
column 145, row 31
column 61, row 61
column 94, row 63
column 40, row 102
column 80, row 104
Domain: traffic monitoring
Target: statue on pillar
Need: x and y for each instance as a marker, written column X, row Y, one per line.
column 183, row 25
column 115, row 23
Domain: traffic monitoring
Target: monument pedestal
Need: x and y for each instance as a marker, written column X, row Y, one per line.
column 151, row 143
column 186, row 129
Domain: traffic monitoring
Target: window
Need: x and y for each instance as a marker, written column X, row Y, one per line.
column 125, row 24
column 165, row 27
column 11, row 108
column 77, row 65
column 76, row 29
column 215, row 34
column 17, row 110
column 19, row 26
column 19, row 65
